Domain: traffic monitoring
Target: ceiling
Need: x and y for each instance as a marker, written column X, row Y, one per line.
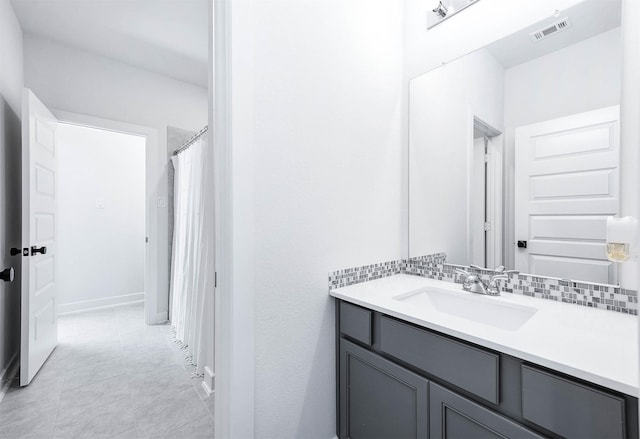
column 588, row 18
column 169, row 37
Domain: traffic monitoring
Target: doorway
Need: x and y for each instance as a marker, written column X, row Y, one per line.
column 108, row 369
column 485, row 195
column 101, row 218
column 155, row 307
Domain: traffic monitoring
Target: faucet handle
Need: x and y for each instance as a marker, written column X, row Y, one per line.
column 494, row 287
column 465, row 273
column 467, row 279
column 496, row 279
column 477, row 267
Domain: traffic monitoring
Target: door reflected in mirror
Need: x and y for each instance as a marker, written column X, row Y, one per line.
column 514, row 149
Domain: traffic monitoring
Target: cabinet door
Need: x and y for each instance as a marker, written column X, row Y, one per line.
column 570, row 409
column 379, row 399
column 453, row 417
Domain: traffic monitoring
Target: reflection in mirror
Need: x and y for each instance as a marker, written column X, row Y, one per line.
column 483, row 239
column 514, row 149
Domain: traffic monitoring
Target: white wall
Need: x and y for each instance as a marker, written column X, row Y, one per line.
column 11, row 81
column 588, row 79
column 443, row 104
column 101, row 250
column 629, row 127
column 73, row 80
column 539, row 90
column 630, row 105
column 317, row 178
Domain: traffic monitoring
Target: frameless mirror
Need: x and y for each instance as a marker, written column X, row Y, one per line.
column 514, row 149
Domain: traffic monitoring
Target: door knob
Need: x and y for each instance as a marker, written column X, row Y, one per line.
column 41, row 250
column 8, row 274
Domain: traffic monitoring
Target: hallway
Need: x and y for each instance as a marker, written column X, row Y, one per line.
column 110, row 377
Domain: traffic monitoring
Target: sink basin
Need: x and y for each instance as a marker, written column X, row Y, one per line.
column 477, row 308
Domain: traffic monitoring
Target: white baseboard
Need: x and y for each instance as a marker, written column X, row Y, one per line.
column 159, row 319
column 8, row 374
column 207, row 382
column 107, row 302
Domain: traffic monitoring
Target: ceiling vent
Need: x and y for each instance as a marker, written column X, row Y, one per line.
column 556, row 27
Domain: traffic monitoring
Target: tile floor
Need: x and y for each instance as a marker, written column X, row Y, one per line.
column 110, row 377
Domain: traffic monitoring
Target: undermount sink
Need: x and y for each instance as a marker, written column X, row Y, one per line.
column 478, row 308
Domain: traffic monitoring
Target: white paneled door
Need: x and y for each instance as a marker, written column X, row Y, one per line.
column 567, row 183
column 39, row 332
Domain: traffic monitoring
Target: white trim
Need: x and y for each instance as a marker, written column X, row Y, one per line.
column 469, row 173
column 8, row 374
column 105, row 302
column 155, row 312
column 494, row 189
column 159, row 319
column 494, row 207
column 220, row 120
column 210, row 215
column 234, row 299
column 207, row 382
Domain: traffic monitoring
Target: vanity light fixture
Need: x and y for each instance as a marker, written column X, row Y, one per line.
column 441, row 10
column 445, row 9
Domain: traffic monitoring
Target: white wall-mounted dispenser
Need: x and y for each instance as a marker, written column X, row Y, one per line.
column 621, row 238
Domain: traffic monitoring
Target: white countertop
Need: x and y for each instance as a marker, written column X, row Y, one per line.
column 596, row 345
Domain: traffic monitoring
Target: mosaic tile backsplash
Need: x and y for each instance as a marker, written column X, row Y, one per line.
column 350, row 276
column 435, row 266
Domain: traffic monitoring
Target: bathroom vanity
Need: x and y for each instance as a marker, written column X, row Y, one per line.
column 420, row 358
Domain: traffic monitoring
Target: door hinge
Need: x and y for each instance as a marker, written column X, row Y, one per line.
column 146, row 239
column 487, row 158
column 215, row 279
column 487, row 226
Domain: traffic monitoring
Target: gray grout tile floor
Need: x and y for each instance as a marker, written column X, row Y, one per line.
column 111, row 376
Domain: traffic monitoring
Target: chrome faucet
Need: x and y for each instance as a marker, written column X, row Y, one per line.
column 474, row 284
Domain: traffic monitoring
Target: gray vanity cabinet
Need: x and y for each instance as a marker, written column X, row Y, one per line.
column 380, row 399
column 453, row 417
column 550, row 401
column 397, row 380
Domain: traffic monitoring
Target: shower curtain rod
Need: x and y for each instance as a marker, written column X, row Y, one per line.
column 190, row 142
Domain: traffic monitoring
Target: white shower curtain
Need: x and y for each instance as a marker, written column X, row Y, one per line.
column 189, row 254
